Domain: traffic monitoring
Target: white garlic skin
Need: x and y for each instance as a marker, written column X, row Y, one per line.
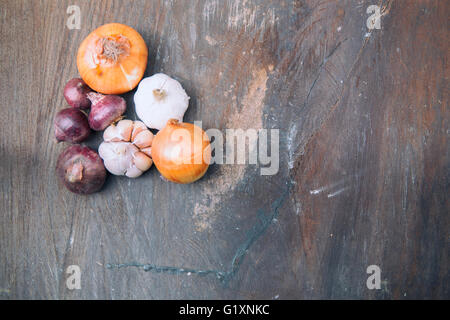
column 118, row 158
column 126, row 148
column 155, row 110
column 119, row 132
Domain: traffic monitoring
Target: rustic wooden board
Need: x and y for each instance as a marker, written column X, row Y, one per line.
column 363, row 179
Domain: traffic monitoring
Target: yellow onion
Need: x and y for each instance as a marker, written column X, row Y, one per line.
column 181, row 152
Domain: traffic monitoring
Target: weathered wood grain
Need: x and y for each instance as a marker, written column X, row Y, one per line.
column 363, row 119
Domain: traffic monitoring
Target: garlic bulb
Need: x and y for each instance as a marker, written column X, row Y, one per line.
column 126, row 149
column 159, row 98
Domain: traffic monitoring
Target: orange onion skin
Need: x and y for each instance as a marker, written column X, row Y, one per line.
column 181, row 152
column 118, row 75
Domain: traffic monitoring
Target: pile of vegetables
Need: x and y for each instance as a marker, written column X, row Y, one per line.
column 112, row 61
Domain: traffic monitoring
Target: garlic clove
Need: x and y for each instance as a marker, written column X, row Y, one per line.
column 143, row 139
column 125, row 128
column 133, row 172
column 117, row 156
column 147, row 151
column 110, row 133
column 119, row 132
column 142, row 161
column 138, row 127
column 105, row 151
column 113, row 167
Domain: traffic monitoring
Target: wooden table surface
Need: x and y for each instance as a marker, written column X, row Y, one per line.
column 363, row 177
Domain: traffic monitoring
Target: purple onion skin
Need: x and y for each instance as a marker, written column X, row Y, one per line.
column 75, row 92
column 81, row 169
column 105, row 110
column 71, row 125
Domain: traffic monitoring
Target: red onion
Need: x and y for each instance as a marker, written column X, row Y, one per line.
column 71, row 125
column 81, row 170
column 75, row 93
column 105, row 110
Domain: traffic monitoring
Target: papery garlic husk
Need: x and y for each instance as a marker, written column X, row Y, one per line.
column 119, row 132
column 159, row 98
column 143, row 139
column 125, row 148
column 118, row 158
column 137, row 128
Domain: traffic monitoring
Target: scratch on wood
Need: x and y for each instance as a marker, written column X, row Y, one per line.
column 321, row 66
column 258, row 229
column 333, row 194
column 336, row 184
